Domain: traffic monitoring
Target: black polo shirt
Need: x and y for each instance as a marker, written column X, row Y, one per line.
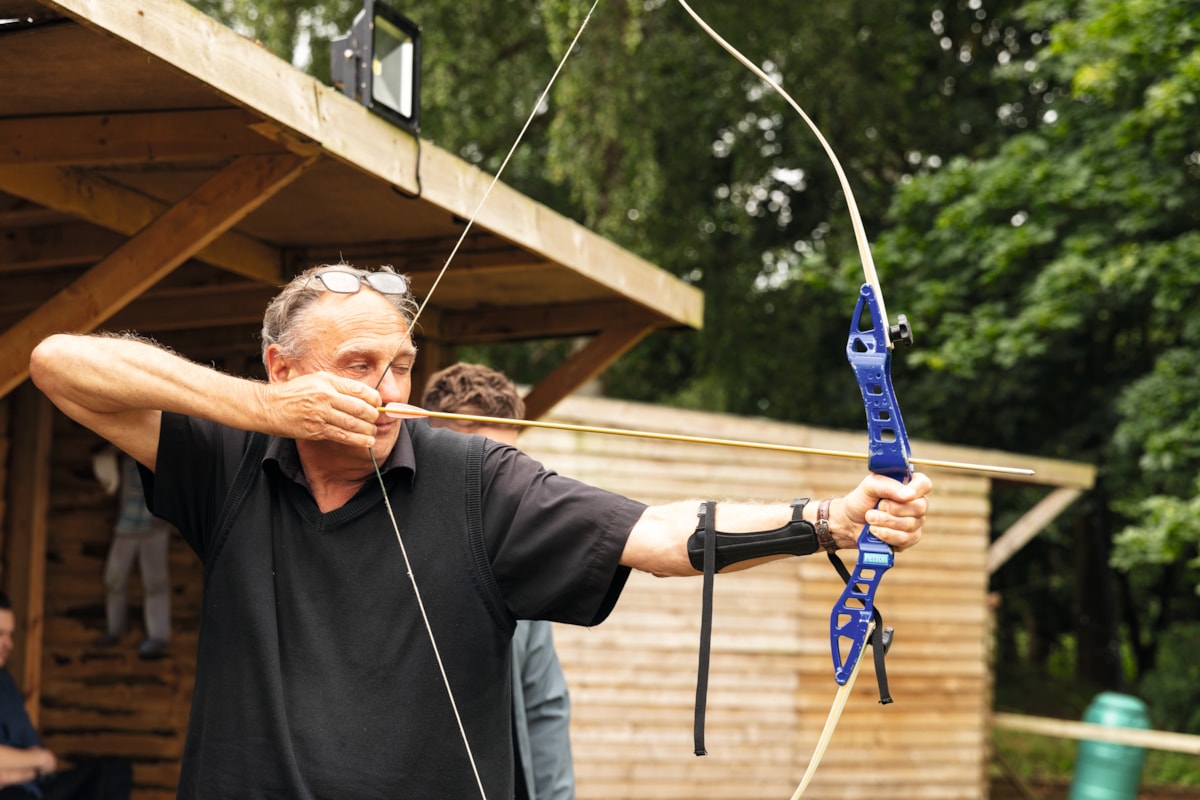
column 315, row 673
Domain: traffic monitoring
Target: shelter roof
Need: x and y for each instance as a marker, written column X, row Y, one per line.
column 160, row 172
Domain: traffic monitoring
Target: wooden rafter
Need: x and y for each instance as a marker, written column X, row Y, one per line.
column 477, row 326
column 141, row 138
column 592, row 359
column 120, row 209
column 1031, row 523
column 175, row 236
column 480, row 250
column 24, row 250
column 194, row 308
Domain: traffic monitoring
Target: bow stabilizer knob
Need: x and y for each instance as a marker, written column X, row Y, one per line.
column 901, row 332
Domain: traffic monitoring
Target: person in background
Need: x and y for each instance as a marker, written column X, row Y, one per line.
column 27, row 769
column 141, row 536
column 541, row 702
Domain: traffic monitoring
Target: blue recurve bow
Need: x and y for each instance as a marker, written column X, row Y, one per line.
column 854, row 620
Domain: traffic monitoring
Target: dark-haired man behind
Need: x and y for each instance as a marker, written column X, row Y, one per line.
column 29, row 770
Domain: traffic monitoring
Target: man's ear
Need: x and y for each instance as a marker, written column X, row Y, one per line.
column 279, row 365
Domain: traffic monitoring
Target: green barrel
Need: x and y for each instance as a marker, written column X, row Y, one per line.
column 1107, row 770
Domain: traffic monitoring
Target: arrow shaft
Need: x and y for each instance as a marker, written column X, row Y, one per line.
column 676, row 437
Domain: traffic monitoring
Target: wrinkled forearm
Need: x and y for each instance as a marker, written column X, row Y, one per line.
column 118, row 387
column 112, row 375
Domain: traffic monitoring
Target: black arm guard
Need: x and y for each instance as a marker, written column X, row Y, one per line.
column 797, row 538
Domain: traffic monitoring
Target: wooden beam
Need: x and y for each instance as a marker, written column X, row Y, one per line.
column 1069, row 729
column 581, row 367
column 31, row 432
column 214, row 207
column 200, row 307
column 69, row 244
column 24, row 214
column 120, row 209
column 482, row 325
column 141, row 138
column 1031, row 523
column 481, row 251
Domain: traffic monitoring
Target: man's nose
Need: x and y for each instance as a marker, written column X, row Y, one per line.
column 395, row 388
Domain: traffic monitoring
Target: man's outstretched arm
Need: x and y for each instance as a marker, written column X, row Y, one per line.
column 658, row 541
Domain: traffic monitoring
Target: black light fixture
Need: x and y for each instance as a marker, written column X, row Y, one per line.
column 379, row 63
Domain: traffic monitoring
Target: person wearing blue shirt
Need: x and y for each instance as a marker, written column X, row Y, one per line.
column 27, row 769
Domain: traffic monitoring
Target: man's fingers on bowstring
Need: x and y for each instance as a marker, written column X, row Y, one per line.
column 325, row 406
column 357, row 399
column 353, row 411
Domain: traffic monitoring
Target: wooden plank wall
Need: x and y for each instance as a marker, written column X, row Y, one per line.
column 633, row 678
column 107, row 701
column 5, row 404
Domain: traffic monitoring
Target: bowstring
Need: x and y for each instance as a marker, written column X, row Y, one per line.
column 408, row 337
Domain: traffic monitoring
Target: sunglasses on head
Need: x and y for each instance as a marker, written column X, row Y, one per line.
column 342, row 282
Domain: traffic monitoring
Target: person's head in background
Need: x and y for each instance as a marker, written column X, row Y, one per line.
column 478, row 390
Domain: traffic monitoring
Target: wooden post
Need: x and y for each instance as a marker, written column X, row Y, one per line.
column 31, row 433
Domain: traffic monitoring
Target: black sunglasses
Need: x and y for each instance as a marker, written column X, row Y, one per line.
column 342, row 282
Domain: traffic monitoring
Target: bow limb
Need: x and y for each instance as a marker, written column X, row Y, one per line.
column 831, row 721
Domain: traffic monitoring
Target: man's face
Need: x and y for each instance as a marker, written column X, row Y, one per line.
column 7, row 626
column 356, row 336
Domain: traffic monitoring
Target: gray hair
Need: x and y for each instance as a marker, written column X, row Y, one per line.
column 282, row 322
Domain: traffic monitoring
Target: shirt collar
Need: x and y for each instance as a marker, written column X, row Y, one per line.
column 285, row 456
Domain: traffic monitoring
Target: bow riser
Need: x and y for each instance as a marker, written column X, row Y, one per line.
column 888, row 454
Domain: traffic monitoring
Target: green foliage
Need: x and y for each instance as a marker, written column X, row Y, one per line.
column 1047, row 758
column 1054, row 281
column 1172, row 689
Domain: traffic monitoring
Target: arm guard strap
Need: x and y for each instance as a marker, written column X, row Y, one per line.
column 797, row 538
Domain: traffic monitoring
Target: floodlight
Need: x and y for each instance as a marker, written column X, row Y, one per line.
column 379, row 63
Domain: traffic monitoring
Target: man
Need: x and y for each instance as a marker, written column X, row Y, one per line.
column 27, row 769
column 541, row 702
column 363, row 573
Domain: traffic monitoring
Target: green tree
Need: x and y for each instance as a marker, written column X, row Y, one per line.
column 1055, row 279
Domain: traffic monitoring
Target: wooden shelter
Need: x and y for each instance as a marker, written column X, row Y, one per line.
column 160, row 173
column 163, row 174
